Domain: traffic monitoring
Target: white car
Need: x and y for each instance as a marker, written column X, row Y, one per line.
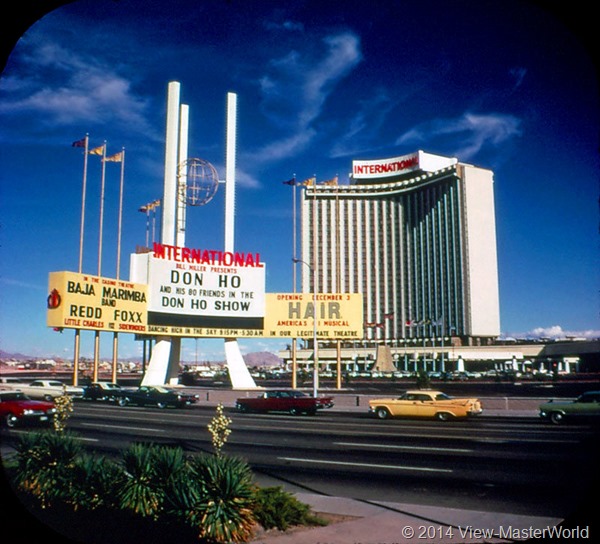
column 45, row 389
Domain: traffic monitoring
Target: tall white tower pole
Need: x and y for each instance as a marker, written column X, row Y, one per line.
column 230, row 160
column 164, row 363
column 238, row 371
column 182, row 177
column 169, row 203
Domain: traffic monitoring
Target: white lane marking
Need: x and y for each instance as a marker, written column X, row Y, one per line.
column 366, row 465
column 395, row 447
column 127, row 427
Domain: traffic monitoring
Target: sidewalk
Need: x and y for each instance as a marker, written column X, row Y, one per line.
column 397, row 523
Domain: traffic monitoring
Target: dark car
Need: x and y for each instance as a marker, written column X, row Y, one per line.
column 293, row 402
column 586, row 407
column 16, row 408
column 102, row 391
column 155, row 395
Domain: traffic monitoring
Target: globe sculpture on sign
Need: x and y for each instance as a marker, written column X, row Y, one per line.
column 198, row 182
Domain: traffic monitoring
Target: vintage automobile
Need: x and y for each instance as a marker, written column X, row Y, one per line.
column 586, row 407
column 17, row 408
column 44, row 389
column 156, row 395
column 426, row 404
column 292, row 402
column 102, row 391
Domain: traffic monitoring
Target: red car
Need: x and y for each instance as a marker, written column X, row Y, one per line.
column 293, row 402
column 17, row 408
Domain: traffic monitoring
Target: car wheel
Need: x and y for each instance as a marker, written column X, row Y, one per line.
column 443, row 416
column 161, row 404
column 48, row 398
column 382, row 413
column 11, row 421
column 294, row 411
column 123, row 401
column 557, row 418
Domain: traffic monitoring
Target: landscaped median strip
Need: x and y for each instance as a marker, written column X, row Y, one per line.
column 366, row 465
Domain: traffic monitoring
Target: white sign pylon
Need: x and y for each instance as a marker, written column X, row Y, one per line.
column 164, row 363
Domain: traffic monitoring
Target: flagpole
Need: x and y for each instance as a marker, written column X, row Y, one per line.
column 101, row 226
column 294, row 279
column 76, row 347
column 119, row 231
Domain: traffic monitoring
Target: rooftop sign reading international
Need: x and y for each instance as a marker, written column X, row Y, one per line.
column 397, row 166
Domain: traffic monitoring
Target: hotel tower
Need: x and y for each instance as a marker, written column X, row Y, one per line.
column 416, row 235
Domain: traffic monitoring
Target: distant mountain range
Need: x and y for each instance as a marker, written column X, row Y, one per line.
column 259, row 358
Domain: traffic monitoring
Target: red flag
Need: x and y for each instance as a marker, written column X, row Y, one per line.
column 79, row 143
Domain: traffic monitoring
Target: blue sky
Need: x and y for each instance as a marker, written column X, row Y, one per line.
column 503, row 85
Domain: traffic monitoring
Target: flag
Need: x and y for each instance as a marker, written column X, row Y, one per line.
column 117, row 157
column 332, row 181
column 410, row 323
column 97, row 150
column 79, row 143
column 308, row 181
column 388, row 316
column 290, row 182
column 143, row 209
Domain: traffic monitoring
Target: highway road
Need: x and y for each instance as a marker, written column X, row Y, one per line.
column 500, row 464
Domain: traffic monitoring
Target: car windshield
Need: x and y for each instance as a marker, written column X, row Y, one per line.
column 4, row 397
column 442, row 396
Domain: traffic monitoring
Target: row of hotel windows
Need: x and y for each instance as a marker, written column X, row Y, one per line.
column 403, row 252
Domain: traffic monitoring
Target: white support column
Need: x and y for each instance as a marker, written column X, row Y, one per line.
column 238, row 371
column 164, row 363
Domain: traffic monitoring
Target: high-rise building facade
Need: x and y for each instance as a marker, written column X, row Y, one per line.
column 416, row 236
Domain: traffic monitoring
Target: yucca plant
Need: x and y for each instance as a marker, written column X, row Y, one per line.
column 140, row 491
column 45, row 465
column 93, row 482
column 217, row 499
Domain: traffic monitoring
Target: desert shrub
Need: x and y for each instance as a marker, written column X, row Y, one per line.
column 278, row 509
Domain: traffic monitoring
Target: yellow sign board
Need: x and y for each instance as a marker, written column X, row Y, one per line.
column 81, row 301
column 339, row 315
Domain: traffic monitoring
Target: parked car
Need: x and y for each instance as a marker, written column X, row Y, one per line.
column 425, row 403
column 156, row 395
column 585, row 407
column 17, row 408
column 44, row 389
column 102, row 391
column 293, row 402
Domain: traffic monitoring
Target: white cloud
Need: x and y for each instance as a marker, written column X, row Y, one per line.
column 473, row 131
column 61, row 87
column 297, row 86
column 555, row 332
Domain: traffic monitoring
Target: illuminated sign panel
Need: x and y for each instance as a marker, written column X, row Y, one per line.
column 339, row 315
column 81, row 301
column 186, row 295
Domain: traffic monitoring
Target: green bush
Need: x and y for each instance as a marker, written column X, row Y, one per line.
column 46, row 465
column 278, row 509
column 217, row 499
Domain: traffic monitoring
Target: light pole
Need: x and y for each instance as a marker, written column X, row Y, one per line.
column 315, row 347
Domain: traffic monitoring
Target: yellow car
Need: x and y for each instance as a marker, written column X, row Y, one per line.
column 424, row 403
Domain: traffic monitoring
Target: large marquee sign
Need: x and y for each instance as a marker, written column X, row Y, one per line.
column 202, row 292
column 196, row 294
column 81, row 301
column 339, row 315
